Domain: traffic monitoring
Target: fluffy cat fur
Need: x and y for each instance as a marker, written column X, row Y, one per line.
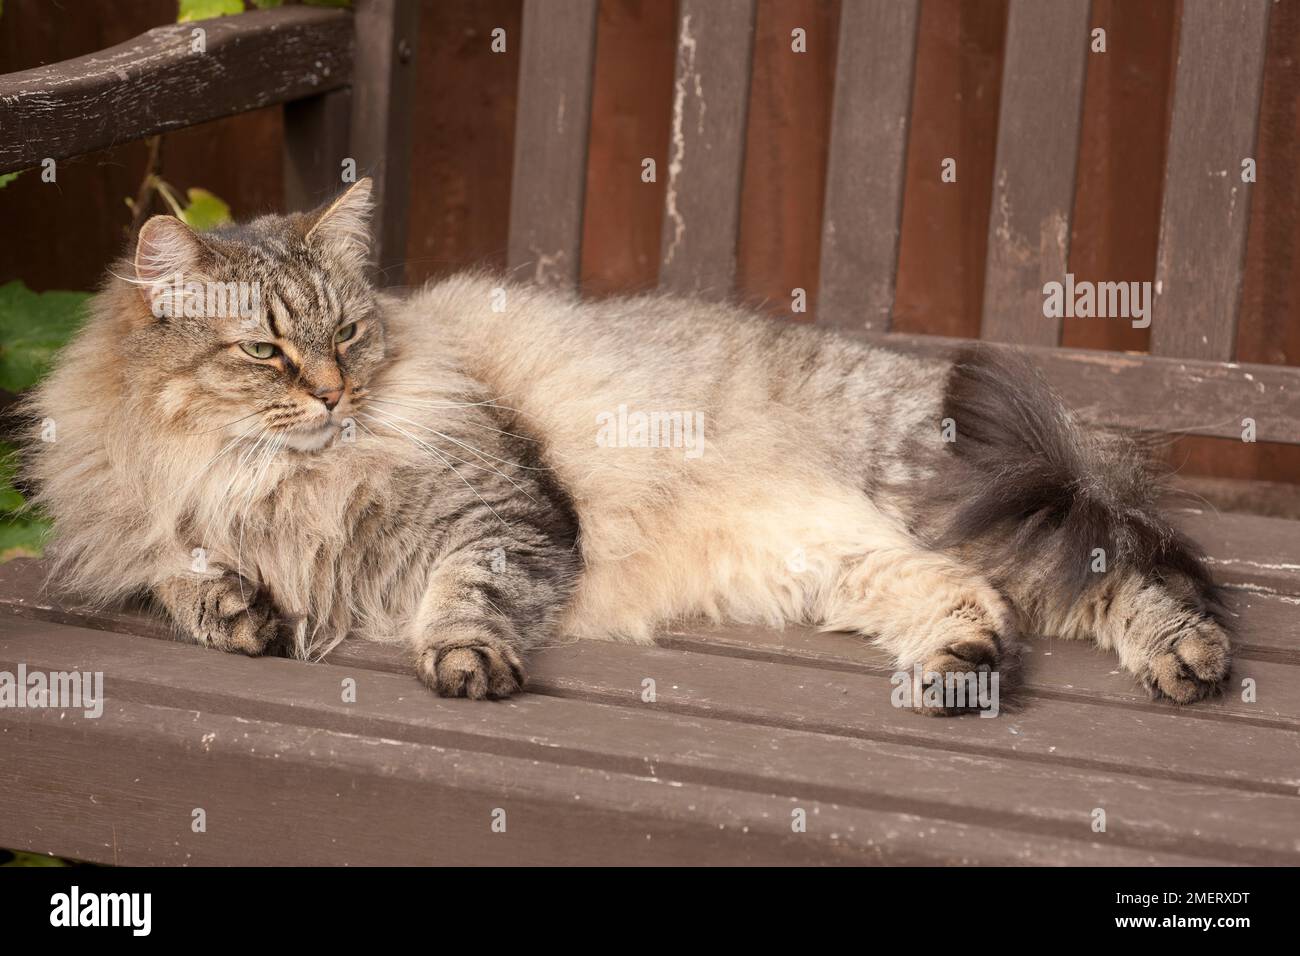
column 455, row 498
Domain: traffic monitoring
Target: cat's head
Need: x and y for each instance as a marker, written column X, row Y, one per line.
column 267, row 325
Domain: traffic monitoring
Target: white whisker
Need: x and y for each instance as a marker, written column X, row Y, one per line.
column 488, row 468
column 440, row 456
column 499, row 431
column 482, row 455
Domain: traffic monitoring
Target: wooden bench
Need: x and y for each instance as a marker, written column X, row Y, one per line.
column 749, row 732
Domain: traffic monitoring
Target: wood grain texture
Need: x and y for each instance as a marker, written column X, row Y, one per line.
column 864, row 174
column 1257, row 554
column 631, row 112
column 1206, row 208
column 550, row 169
column 1269, row 328
column 463, row 137
column 746, row 726
column 315, row 143
column 706, row 151
column 1127, row 98
column 787, row 141
column 942, row 251
column 380, row 129
column 1033, row 182
column 155, row 82
column 1152, row 393
column 1271, row 499
column 329, row 798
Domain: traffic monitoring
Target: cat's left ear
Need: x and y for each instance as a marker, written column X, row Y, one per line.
column 342, row 229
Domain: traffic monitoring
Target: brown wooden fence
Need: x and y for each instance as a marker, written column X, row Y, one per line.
column 463, row 135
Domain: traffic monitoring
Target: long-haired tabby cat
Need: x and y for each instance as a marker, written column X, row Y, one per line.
column 484, row 465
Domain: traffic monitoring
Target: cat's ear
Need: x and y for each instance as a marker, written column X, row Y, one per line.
column 342, row 229
column 166, row 248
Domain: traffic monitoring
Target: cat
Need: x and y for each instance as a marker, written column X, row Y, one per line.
column 483, row 466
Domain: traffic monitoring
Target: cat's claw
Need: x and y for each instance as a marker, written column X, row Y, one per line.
column 1192, row 666
column 473, row 667
column 982, row 653
column 237, row 616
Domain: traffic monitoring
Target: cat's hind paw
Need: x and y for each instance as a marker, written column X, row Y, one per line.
column 1190, row 666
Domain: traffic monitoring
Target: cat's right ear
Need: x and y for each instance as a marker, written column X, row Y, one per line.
column 166, row 248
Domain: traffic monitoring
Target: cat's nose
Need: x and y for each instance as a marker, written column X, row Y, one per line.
column 329, row 395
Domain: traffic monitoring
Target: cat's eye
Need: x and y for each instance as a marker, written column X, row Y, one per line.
column 259, row 350
column 345, row 333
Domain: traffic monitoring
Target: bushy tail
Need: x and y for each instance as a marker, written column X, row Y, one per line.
column 1029, row 494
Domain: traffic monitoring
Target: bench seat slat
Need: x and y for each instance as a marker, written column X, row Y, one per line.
column 1057, row 669
column 328, row 798
column 1065, row 734
column 807, row 768
column 322, row 798
column 1250, row 551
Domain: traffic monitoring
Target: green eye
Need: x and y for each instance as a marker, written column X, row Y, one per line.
column 259, row 350
column 345, row 333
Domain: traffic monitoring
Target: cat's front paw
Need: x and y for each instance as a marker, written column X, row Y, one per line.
column 945, row 672
column 1190, row 666
column 477, row 665
column 235, row 615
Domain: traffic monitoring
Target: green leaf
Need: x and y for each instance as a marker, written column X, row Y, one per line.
column 11, row 499
column 32, row 859
column 267, row 4
column 33, row 326
column 205, row 211
column 7, row 178
column 22, row 536
column 207, row 9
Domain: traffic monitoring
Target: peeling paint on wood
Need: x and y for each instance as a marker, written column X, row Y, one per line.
column 1038, row 145
column 548, row 192
column 1151, row 393
column 1201, row 258
column 707, row 147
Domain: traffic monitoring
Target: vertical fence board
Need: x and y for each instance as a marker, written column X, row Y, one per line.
column 1127, row 99
column 315, row 144
column 865, row 170
column 1206, row 211
column 706, row 152
column 383, row 79
column 1033, row 178
column 558, row 50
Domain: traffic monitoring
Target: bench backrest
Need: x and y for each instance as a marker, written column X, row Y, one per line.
column 1187, row 383
column 345, row 82
column 344, row 78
